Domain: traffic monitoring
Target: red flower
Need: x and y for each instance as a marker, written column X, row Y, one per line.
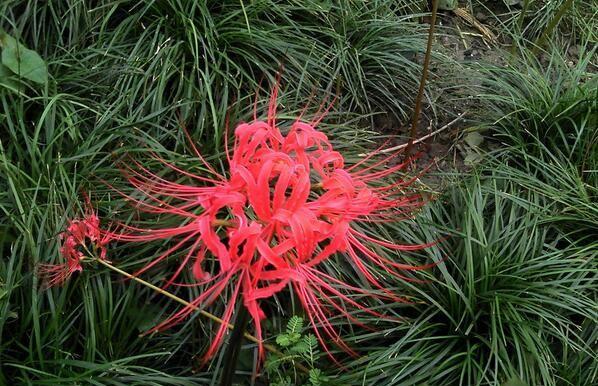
column 74, row 239
column 57, row 274
column 287, row 205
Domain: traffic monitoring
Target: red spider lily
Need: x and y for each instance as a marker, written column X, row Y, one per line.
column 288, row 204
column 74, row 239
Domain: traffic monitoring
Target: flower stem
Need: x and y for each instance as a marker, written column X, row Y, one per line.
column 206, row 314
column 220, row 222
column 422, row 83
column 173, row 297
column 233, row 348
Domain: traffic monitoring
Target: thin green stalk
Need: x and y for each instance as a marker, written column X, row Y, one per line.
column 172, row 296
column 551, row 26
column 520, row 20
column 422, row 83
column 206, row 314
column 526, row 4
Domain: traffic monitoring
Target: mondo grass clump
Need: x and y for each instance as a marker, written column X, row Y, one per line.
column 514, row 299
column 132, row 101
column 543, row 106
column 122, row 76
column 536, row 22
column 122, row 79
column 167, row 61
column 544, row 120
column 512, row 302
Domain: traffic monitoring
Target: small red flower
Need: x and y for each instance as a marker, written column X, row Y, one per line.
column 57, row 274
column 287, row 205
column 74, row 240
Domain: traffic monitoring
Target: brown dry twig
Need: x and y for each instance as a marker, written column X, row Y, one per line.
column 487, row 34
column 400, row 147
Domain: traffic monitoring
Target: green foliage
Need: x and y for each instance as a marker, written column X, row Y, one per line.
column 546, row 119
column 293, row 334
column 514, row 301
column 316, row 378
column 21, row 61
column 513, row 298
column 546, row 109
column 558, row 20
column 296, row 348
column 125, row 77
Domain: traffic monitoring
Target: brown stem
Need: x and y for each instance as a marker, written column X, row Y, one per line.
column 223, row 223
column 422, row 83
